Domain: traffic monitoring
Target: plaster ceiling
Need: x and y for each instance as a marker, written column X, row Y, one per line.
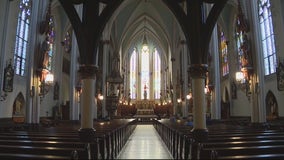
column 136, row 18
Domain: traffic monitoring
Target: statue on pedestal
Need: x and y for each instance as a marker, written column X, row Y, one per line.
column 145, row 92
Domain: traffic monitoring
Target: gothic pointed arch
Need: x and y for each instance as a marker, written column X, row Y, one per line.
column 271, row 106
column 18, row 112
column 197, row 29
column 225, row 104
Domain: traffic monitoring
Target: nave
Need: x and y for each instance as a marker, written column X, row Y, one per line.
column 129, row 139
column 145, row 143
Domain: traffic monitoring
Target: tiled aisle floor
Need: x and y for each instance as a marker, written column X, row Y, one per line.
column 145, row 143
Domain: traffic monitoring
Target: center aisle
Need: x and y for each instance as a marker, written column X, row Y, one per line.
column 145, row 143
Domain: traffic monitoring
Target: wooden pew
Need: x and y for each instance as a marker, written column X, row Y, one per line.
column 224, row 142
column 60, row 143
column 219, row 152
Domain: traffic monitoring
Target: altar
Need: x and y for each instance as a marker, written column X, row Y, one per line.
column 145, row 110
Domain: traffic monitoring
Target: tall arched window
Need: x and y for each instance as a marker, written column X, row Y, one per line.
column 22, row 36
column 267, row 36
column 145, row 71
column 224, row 53
column 243, row 43
column 51, row 35
column 133, row 64
column 240, row 41
column 157, row 75
column 143, row 65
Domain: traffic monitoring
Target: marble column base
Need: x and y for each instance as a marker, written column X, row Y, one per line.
column 200, row 135
column 87, row 135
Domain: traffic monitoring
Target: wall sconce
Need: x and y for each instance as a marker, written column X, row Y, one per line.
column 46, row 81
column 189, row 96
column 179, row 100
column 240, row 78
column 208, row 92
column 243, row 80
column 78, row 88
column 100, row 97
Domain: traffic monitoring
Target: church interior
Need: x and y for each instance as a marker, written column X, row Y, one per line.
column 142, row 79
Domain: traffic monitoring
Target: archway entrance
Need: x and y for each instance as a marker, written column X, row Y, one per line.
column 225, row 105
column 271, row 106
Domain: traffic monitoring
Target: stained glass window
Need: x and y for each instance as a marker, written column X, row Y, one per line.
column 22, row 35
column 157, row 75
column 267, row 36
column 224, row 54
column 143, row 65
column 133, row 62
column 51, row 35
column 145, row 72
column 239, row 40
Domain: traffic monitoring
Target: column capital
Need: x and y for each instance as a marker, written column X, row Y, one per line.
column 198, row 70
column 183, row 42
column 200, row 135
column 88, row 71
column 106, row 41
column 87, row 135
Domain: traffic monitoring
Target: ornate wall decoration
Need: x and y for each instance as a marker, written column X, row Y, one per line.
column 56, row 91
column 8, row 77
column 234, row 90
column 280, row 76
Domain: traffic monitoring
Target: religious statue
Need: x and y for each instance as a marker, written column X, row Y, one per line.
column 280, row 76
column 129, row 98
column 245, row 59
column 145, row 92
column 46, row 49
column 8, row 77
column 56, row 91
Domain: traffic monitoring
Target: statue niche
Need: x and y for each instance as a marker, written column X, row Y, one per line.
column 8, row 77
column 114, row 81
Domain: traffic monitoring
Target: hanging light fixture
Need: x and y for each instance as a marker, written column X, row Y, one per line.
column 145, row 42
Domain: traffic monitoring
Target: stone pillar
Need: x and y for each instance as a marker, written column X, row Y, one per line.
column 74, row 106
column 104, row 72
column 87, row 132
column 216, row 94
column 199, row 131
column 198, row 74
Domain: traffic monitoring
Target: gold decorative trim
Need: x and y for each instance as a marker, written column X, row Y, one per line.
column 105, row 41
column 88, row 71
column 198, row 70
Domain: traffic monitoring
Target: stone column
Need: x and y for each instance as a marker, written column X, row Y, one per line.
column 199, row 131
column 87, row 132
column 74, row 106
column 258, row 114
column 33, row 102
column 104, row 72
column 198, row 75
column 216, row 94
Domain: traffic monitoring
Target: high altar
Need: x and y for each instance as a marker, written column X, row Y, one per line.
column 144, row 108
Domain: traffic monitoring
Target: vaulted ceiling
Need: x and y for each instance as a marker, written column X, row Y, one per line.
column 136, row 18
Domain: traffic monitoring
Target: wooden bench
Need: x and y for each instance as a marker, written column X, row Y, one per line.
column 216, row 152
column 224, row 141
column 21, row 156
column 63, row 141
column 6, row 124
column 41, row 150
